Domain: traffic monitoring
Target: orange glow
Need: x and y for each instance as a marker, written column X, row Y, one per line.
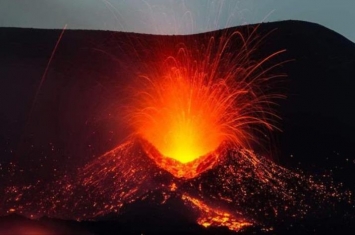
column 178, row 169
column 25, row 228
column 197, row 99
column 184, row 123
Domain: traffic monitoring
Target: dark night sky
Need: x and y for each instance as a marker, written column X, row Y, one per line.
column 173, row 16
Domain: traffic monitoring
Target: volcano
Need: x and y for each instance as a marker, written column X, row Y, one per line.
column 66, row 156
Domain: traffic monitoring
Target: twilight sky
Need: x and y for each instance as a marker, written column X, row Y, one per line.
column 174, row 16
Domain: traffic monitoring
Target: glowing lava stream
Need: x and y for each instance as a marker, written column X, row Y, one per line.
column 210, row 217
column 199, row 98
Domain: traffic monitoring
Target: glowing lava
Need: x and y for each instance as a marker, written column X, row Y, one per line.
column 211, row 217
column 182, row 119
column 197, row 99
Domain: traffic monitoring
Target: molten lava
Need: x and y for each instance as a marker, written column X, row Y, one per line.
column 182, row 119
column 177, row 168
column 197, row 99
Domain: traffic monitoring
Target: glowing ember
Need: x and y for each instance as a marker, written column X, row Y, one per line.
column 188, row 107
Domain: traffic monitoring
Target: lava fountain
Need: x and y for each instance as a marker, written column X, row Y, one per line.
column 197, row 99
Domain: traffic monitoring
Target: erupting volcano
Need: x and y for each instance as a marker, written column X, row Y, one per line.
column 199, row 98
column 200, row 111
